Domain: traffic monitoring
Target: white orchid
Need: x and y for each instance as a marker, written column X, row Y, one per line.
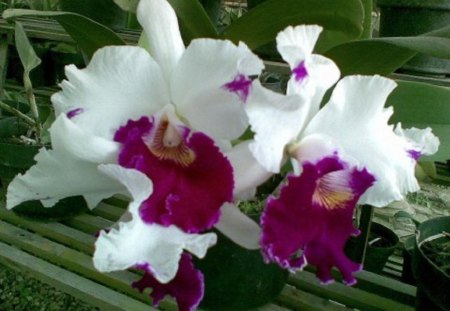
column 165, row 116
column 345, row 153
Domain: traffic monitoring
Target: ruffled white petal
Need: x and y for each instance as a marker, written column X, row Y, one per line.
column 248, row 173
column 160, row 25
column 295, row 44
column 136, row 242
column 120, row 83
column 58, row 175
column 69, row 169
column 276, row 121
column 239, row 227
column 422, row 140
column 356, row 118
column 198, row 86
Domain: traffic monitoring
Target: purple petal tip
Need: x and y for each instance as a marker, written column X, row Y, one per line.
column 300, row 72
column 74, row 112
column 241, row 86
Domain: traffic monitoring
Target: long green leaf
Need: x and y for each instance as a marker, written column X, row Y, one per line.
column 26, row 51
column 88, row 34
column 261, row 24
column 385, row 55
column 423, row 105
column 193, row 19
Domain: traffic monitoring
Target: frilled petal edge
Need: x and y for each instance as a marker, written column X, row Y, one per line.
column 312, row 218
column 187, row 287
column 137, row 243
column 360, row 125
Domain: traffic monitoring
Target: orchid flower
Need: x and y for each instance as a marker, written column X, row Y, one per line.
column 165, row 116
column 343, row 154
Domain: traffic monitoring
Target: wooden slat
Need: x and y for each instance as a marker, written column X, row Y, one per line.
column 349, row 296
column 386, row 287
column 74, row 261
column 83, row 289
column 296, row 299
column 55, row 231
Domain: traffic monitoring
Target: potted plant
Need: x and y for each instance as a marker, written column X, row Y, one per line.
column 431, row 264
column 401, row 18
column 381, row 243
column 237, row 278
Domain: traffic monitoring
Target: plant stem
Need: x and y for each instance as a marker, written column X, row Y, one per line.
column 367, row 31
column 364, row 225
column 19, row 114
column 32, row 101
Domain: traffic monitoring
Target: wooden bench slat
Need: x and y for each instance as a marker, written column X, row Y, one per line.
column 109, row 212
column 88, row 223
column 296, row 299
column 74, row 261
column 54, row 231
column 386, row 287
column 69, row 282
column 349, row 296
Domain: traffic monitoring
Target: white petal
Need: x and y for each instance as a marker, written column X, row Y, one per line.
column 58, row 175
column 198, row 86
column 239, row 227
column 67, row 136
column 120, row 83
column 138, row 243
column 423, row 140
column 69, row 169
column 138, row 185
column 248, row 173
column 276, row 120
column 295, row 44
column 314, row 148
column 323, row 73
column 160, row 25
column 356, row 118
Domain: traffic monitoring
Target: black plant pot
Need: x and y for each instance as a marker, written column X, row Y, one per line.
column 401, row 18
column 237, row 279
column 408, row 251
column 381, row 244
column 433, row 284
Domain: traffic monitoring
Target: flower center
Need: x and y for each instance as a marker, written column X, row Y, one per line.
column 332, row 190
column 167, row 143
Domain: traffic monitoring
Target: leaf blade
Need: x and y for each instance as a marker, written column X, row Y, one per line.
column 88, row 34
column 261, row 24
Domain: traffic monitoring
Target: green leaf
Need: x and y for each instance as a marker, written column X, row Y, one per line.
column 12, row 126
column 261, row 24
column 88, row 34
column 424, row 105
column 127, row 5
column 385, row 55
column 193, row 19
column 26, row 52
